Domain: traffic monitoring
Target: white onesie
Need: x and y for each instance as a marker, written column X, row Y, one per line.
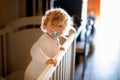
column 41, row 51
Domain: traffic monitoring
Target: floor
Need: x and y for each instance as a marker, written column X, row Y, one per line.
column 104, row 63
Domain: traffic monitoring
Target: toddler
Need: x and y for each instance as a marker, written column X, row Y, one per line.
column 55, row 23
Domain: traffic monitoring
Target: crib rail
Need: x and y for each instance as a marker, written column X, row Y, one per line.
column 65, row 66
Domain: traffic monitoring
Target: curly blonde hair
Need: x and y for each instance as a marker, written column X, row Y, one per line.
column 55, row 16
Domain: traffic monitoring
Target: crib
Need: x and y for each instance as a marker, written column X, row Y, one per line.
column 16, row 40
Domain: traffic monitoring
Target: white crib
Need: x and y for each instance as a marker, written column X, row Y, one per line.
column 16, row 40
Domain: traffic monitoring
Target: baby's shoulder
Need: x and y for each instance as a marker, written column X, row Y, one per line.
column 43, row 38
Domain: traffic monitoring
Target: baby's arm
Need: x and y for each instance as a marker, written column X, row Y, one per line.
column 54, row 60
column 38, row 54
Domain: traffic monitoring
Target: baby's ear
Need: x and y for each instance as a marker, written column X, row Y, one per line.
column 45, row 23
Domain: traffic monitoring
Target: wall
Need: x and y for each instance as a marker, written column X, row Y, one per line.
column 22, row 8
column 94, row 4
column 9, row 10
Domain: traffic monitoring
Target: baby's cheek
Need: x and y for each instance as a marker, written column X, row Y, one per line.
column 61, row 32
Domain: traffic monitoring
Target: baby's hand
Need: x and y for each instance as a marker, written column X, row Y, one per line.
column 62, row 48
column 52, row 61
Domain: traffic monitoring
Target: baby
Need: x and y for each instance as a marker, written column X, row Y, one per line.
column 54, row 25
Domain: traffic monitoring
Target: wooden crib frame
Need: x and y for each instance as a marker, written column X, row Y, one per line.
column 66, row 59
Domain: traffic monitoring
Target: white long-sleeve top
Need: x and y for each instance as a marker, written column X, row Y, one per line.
column 41, row 51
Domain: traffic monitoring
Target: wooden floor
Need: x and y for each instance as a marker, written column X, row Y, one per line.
column 104, row 63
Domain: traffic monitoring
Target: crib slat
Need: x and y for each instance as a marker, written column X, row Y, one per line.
column 61, row 70
column 68, row 61
column 73, row 60
column 4, row 55
column 3, row 51
column 54, row 75
column 57, row 73
column 0, row 56
column 66, row 67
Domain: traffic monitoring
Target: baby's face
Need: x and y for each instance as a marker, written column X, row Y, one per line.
column 59, row 27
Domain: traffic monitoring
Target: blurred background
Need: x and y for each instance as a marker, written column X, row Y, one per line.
column 100, row 17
